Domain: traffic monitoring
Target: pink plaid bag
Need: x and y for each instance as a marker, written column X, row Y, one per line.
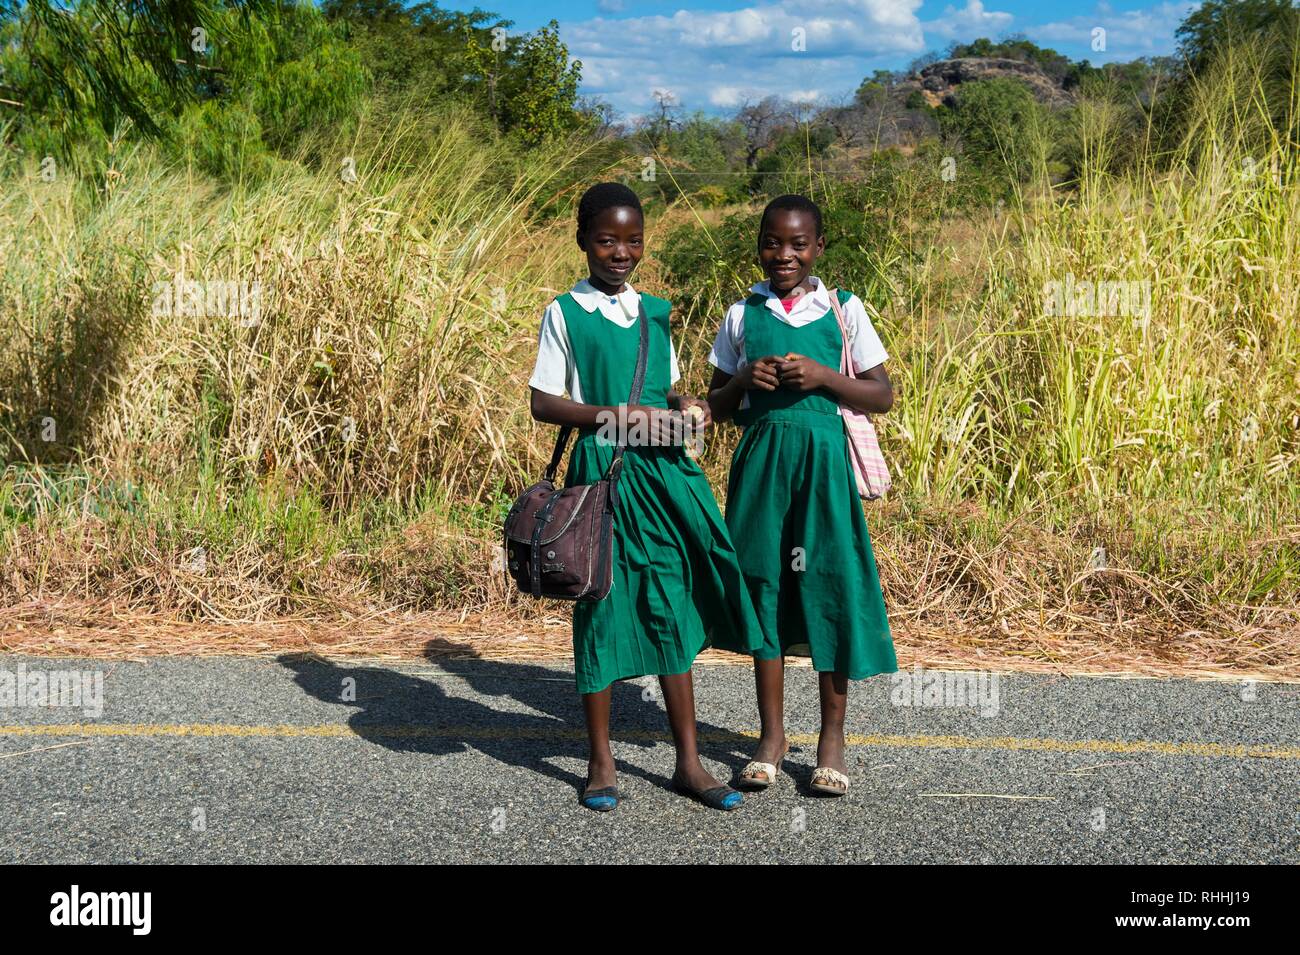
column 869, row 466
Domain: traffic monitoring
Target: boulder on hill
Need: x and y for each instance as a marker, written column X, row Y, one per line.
column 938, row 82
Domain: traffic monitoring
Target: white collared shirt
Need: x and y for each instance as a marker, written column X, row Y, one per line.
column 865, row 347
column 555, row 372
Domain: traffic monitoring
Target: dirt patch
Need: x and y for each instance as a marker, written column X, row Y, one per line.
column 103, row 630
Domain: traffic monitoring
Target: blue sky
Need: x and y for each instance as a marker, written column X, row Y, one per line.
column 714, row 55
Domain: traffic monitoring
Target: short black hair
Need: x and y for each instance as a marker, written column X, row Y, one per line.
column 602, row 196
column 793, row 203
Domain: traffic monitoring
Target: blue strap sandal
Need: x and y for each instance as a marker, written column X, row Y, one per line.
column 599, row 800
column 719, row 797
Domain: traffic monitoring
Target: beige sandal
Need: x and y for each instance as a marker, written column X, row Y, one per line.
column 829, row 782
column 759, row 775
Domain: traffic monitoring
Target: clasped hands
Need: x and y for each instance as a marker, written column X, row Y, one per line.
column 793, row 371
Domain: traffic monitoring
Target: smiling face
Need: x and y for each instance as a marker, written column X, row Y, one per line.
column 788, row 247
column 614, row 244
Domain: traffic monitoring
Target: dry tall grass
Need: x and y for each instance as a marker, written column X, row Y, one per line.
column 1112, row 487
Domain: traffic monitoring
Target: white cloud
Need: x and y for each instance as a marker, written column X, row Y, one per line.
column 718, row 59
column 1130, row 33
column 968, row 23
column 751, row 49
column 729, row 97
column 833, row 27
column 715, row 30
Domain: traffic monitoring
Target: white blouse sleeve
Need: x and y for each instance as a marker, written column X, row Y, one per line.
column 554, row 365
column 728, row 352
column 864, row 344
column 674, row 370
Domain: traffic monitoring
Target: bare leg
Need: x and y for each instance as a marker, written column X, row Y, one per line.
column 600, row 762
column 679, row 700
column 769, row 682
column 834, row 690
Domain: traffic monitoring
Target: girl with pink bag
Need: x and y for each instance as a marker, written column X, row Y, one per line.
column 799, row 367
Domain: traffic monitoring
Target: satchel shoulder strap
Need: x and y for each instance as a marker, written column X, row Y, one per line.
column 638, row 383
column 837, row 305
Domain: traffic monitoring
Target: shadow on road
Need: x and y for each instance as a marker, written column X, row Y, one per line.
column 424, row 714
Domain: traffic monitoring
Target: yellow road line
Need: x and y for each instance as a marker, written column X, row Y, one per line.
column 473, row 733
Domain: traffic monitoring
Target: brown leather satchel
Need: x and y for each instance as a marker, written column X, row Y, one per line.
column 560, row 543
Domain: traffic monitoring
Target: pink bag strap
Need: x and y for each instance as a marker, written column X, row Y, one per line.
column 846, row 359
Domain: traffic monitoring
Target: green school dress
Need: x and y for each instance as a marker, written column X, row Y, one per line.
column 677, row 582
column 795, row 515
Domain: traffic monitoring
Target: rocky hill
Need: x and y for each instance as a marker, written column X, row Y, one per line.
column 938, row 82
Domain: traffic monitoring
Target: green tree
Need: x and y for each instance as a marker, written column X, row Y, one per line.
column 995, row 120
column 417, row 51
column 702, row 153
column 793, row 159
column 539, row 94
column 282, row 76
column 1216, row 25
column 872, row 90
column 99, row 62
column 1262, row 37
column 220, row 81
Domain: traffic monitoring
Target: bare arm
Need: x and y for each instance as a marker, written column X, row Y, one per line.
column 556, row 409
column 871, row 392
column 724, row 395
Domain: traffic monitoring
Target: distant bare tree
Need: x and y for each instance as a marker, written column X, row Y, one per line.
column 666, row 116
column 761, row 122
column 844, row 120
column 602, row 117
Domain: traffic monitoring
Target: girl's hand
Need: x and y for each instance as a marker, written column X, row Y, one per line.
column 652, row 427
column 761, row 374
column 799, row 373
column 697, row 420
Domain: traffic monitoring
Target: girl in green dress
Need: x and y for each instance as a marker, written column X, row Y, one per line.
column 792, row 502
column 677, row 583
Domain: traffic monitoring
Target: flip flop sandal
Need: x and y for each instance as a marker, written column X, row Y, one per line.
column 719, row 797
column 829, row 782
column 599, row 800
column 751, row 779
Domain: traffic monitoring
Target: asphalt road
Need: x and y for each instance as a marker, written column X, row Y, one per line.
column 265, row 760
